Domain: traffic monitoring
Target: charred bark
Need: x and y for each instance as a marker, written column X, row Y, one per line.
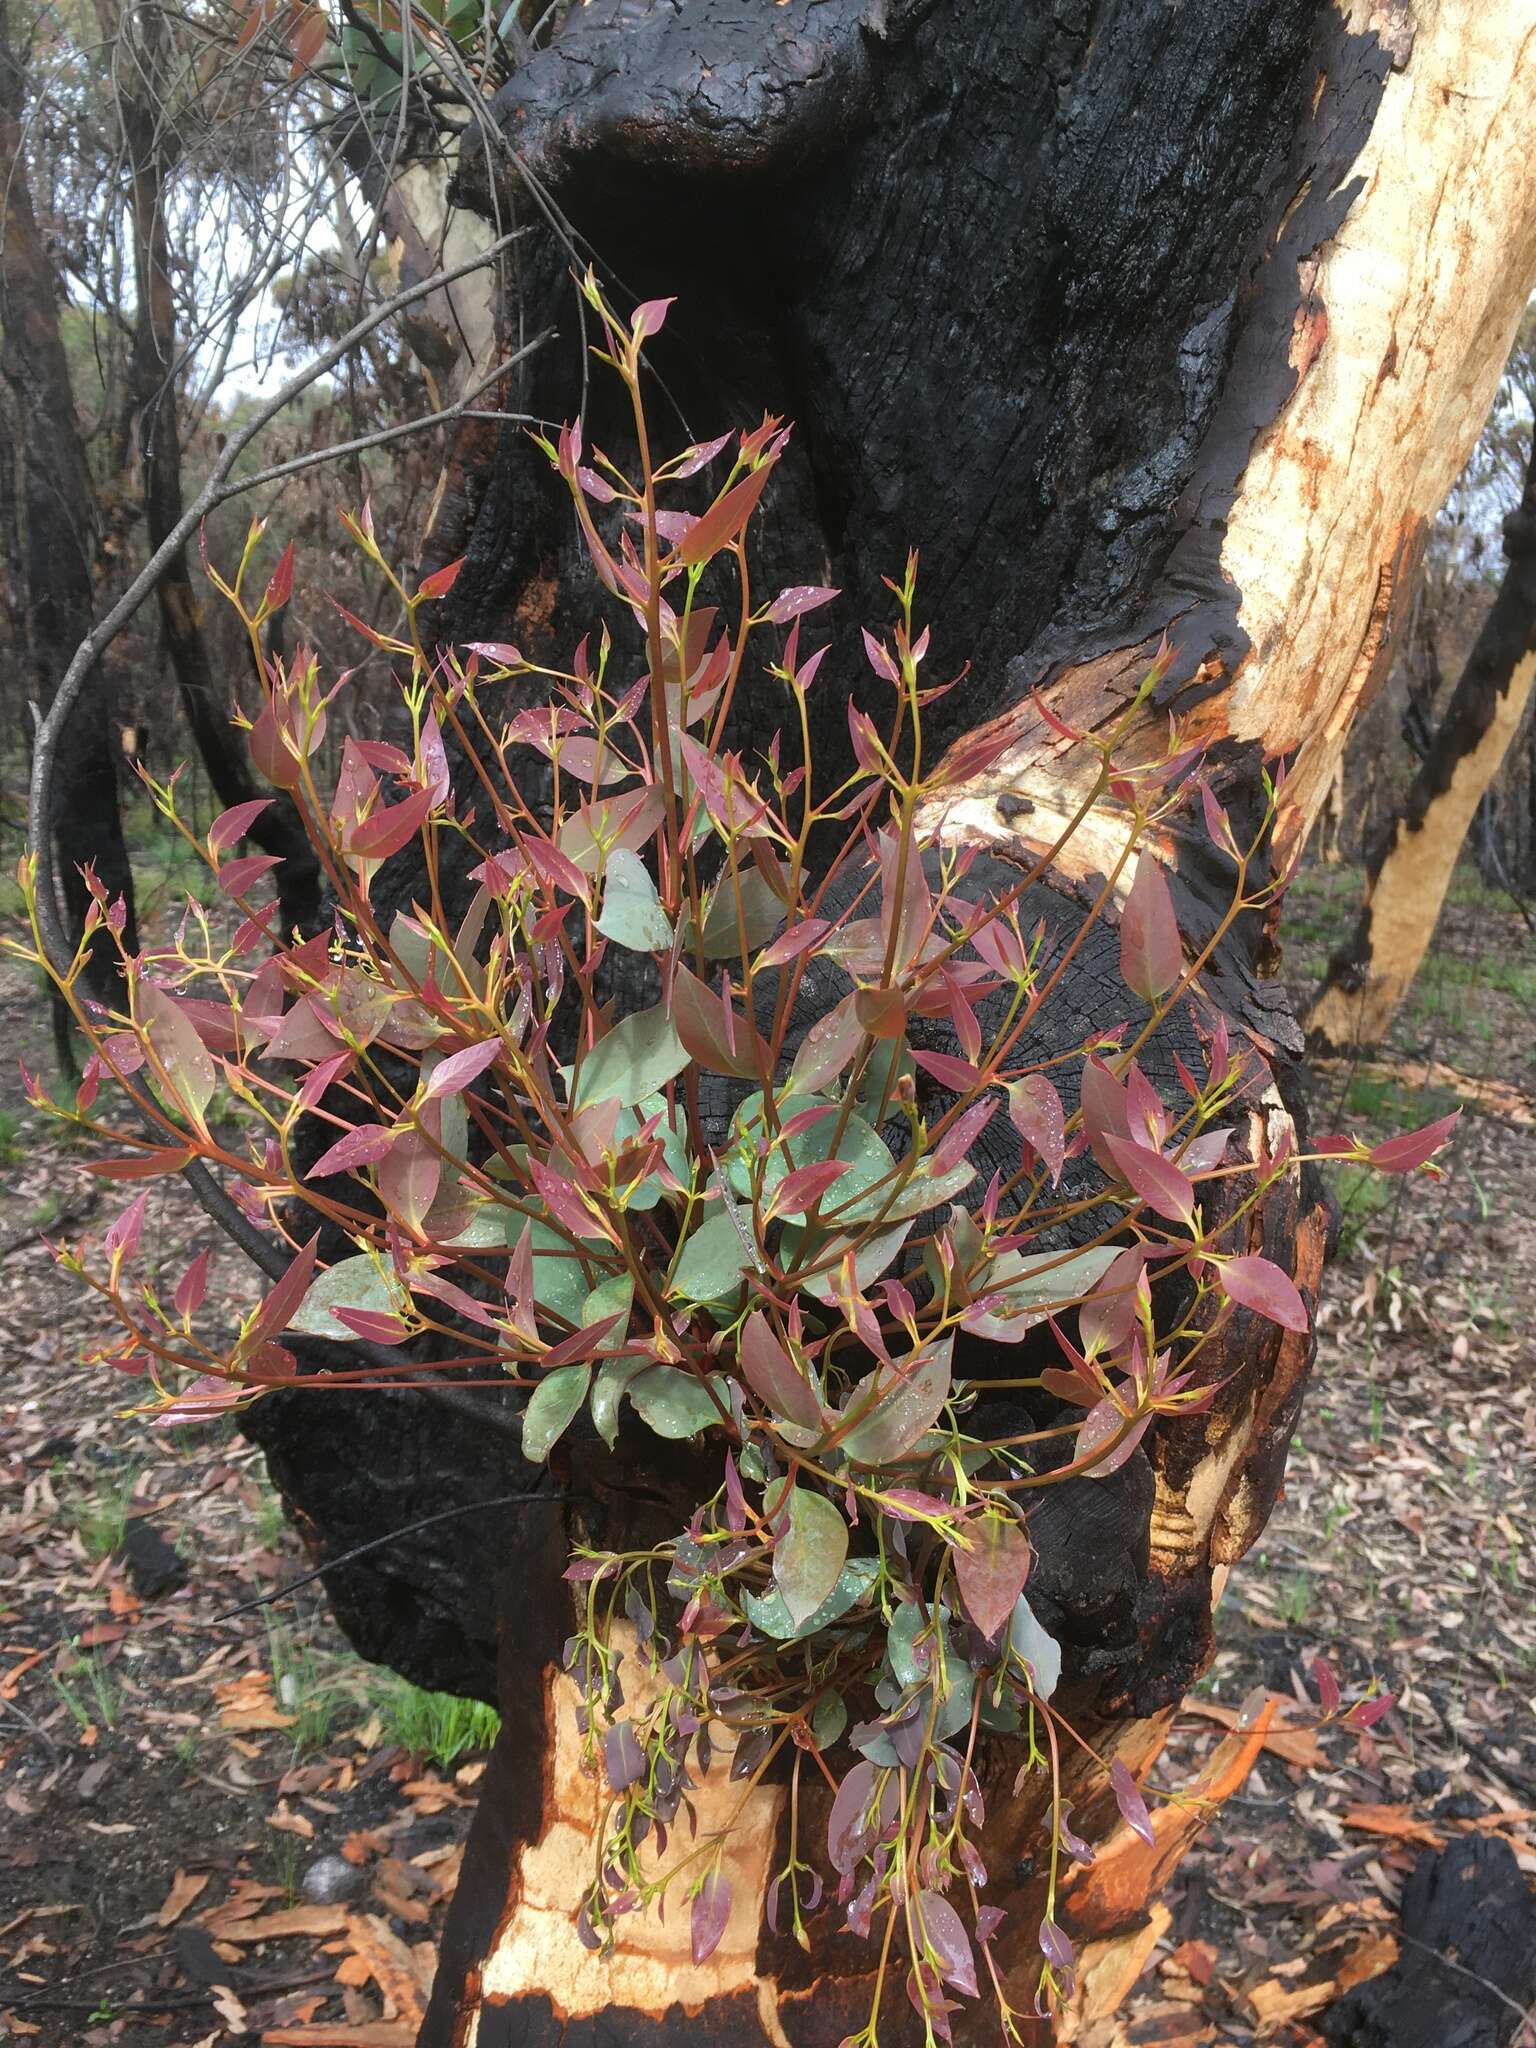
column 57, row 548
column 1409, row 867
column 153, row 405
column 1094, row 359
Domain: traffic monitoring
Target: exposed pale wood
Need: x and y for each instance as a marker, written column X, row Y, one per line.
column 1419, row 294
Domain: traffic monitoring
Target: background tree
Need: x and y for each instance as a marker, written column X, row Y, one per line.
column 1411, row 859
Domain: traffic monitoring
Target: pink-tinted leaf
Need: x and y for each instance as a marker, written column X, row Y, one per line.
column 798, row 599
column 441, row 581
column 192, row 1286
column 319, row 1078
column 206, row 1397
column 962, row 1134
column 649, row 318
column 562, row 1200
column 991, row 1565
column 365, row 1145
column 1151, row 952
column 1413, row 1148
column 790, row 944
column 1259, row 1284
column 237, row 877
column 1329, row 1696
column 1133, row 1808
column 1036, row 1113
column 454, row 1074
column 175, row 1042
column 946, row 1937
column 502, row 652
column 1162, row 1185
column 409, row 1177
column 854, row 1826
column 827, row 1048
column 1110, row 1312
column 1055, row 1945
column 377, row 1325
column 1100, row 1427
column 711, row 1911
column 282, row 1304
column 231, row 826
column 387, row 831
column 883, row 1013
column 125, row 1231
column 773, row 1375
column 143, row 1165
column 948, row 1071
column 721, row 1040
column 723, row 522
column 803, row 1187
column 1106, row 1111
column 1366, row 1713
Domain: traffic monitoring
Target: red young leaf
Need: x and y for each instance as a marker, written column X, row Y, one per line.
column 192, row 1286
column 1413, row 1148
column 991, row 1565
column 773, row 1375
column 231, row 826
column 1259, row 1284
column 282, row 1304
column 948, row 1071
column 797, row 939
column 803, row 1187
column 882, row 1011
column 724, row 520
column 1162, row 1185
column 1329, row 1697
column 441, row 581
column 143, row 1165
column 827, row 1048
column 454, row 1074
column 365, row 1145
column 1151, row 952
column 1101, row 1425
column 721, row 1040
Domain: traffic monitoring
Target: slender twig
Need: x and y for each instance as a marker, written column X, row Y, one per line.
column 503, row 1500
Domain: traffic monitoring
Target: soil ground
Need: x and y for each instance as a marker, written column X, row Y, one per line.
column 217, row 1825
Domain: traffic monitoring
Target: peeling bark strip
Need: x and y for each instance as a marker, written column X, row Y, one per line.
column 1409, row 868
column 1133, row 319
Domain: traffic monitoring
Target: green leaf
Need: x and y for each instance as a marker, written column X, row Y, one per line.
column 1031, row 1285
column 862, row 1151
column 712, row 1262
column 770, row 1617
column 638, row 1056
column 889, row 1063
column 608, row 1391
column 674, row 1404
column 555, row 1401
column 611, row 1297
column 810, row 1553
column 991, row 1564
column 829, row 1716
column 911, row 1644
column 350, row 1283
column 897, row 1403
column 1040, row 1651
column 632, row 914
column 871, row 1256
column 176, row 1045
column 762, row 913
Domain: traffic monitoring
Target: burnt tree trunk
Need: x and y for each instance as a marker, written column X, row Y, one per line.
column 1135, row 320
column 155, row 368
column 57, row 546
column 1409, row 866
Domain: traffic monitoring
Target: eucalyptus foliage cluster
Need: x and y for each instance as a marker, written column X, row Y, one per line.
column 694, row 1218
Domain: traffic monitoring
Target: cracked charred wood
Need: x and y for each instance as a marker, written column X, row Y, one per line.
column 1409, row 867
column 1467, row 1971
column 1138, row 322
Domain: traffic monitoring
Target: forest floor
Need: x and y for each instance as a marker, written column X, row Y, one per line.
column 216, row 1824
